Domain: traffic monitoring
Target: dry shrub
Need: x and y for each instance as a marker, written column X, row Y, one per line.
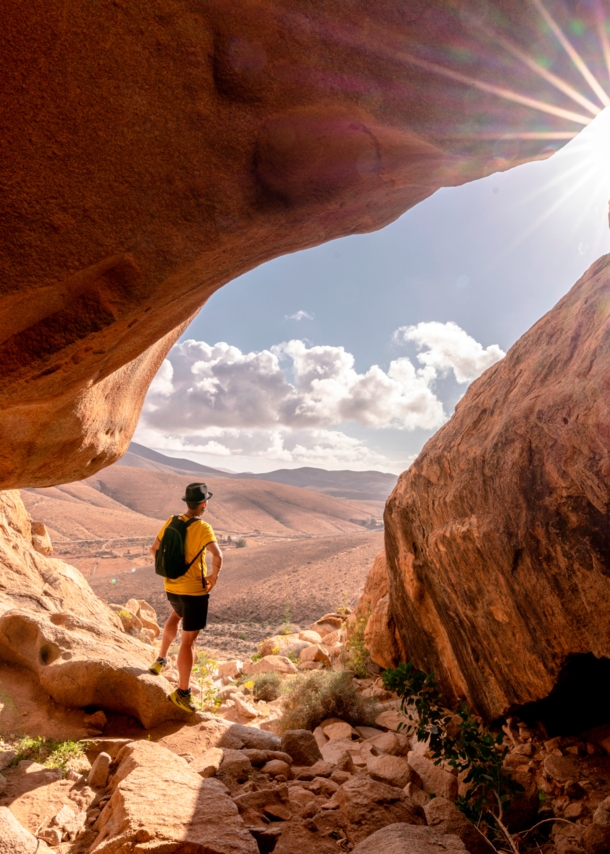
column 324, row 694
column 267, row 687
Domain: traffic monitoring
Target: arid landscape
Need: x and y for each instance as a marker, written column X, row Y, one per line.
column 306, row 551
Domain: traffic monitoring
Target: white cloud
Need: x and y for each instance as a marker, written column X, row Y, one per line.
column 201, row 386
column 300, row 315
column 450, row 349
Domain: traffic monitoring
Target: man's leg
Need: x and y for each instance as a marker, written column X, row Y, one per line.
column 170, row 630
column 186, row 658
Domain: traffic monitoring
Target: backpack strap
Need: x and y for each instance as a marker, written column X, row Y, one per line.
column 199, row 553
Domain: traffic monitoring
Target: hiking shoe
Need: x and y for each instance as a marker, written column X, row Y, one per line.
column 184, row 702
column 158, row 666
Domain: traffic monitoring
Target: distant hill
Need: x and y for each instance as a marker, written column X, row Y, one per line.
column 239, row 505
column 354, row 485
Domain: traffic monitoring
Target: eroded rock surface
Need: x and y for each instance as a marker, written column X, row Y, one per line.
column 53, row 624
column 176, row 148
column 498, row 536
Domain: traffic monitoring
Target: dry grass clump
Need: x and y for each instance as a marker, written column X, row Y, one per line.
column 324, row 694
column 267, row 687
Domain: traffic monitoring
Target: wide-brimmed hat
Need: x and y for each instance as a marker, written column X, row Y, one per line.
column 196, row 492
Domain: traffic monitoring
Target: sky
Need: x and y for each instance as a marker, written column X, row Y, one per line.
column 352, row 354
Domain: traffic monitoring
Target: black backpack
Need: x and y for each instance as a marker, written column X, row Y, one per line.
column 169, row 557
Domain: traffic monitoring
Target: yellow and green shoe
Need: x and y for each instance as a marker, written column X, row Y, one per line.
column 183, row 701
column 158, row 666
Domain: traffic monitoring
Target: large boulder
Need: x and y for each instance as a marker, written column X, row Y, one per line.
column 445, row 817
column 15, row 839
column 53, row 624
column 200, row 139
column 403, row 838
column 161, row 803
column 498, row 536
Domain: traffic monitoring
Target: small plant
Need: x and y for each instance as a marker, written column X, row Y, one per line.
column 324, row 694
column 243, row 636
column 51, row 753
column 358, row 658
column 241, row 543
column 458, row 739
column 203, row 673
column 344, row 607
column 267, row 687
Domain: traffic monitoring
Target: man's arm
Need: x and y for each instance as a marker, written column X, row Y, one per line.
column 216, row 565
column 155, row 547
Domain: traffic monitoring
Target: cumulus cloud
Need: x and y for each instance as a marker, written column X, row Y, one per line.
column 449, row 348
column 300, row 315
column 201, row 386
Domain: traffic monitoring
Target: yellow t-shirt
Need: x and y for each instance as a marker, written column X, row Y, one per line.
column 198, row 535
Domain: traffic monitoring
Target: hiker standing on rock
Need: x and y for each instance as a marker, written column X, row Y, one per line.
column 179, row 552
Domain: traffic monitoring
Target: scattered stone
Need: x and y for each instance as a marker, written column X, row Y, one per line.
column 394, row 743
column 326, row 624
column 301, row 745
column 255, row 806
column 14, row 838
column 97, row 720
column 235, row 765
column 562, row 769
column 256, row 757
column 238, row 735
column 417, row 795
column 324, row 787
column 7, row 757
column 367, row 732
column 310, row 637
column 390, row 719
column 445, row 817
column 365, row 806
column 434, row 779
column 315, row 653
column 321, row 769
column 98, row 775
column 51, row 835
column 244, row 709
column 74, row 777
column 391, row 770
column 270, row 664
column 208, row 764
column 319, row 736
column 276, row 768
column 230, row 669
column 597, row 834
column 402, row 838
column 338, row 730
column 157, row 796
column 340, row 777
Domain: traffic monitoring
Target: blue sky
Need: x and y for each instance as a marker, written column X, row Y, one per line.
column 490, row 257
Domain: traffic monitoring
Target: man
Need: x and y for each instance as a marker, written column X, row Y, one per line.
column 189, row 594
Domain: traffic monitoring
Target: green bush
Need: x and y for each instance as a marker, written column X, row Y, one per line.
column 50, row 753
column 324, row 694
column 459, row 739
column 357, row 655
column 241, row 543
column 267, row 687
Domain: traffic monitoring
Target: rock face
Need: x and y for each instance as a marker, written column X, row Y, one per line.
column 53, row 624
column 202, row 139
column 196, row 814
column 498, row 536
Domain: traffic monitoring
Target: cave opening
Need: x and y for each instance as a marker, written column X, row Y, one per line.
column 580, row 700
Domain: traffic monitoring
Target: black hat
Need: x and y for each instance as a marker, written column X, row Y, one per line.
column 196, row 492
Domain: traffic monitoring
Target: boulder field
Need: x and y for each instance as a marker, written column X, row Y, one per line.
column 149, row 158
column 498, row 536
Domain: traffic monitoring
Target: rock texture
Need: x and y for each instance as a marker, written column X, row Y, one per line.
column 178, row 147
column 399, row 838
column 498, row 536
column 196, row 815
column 53, row 624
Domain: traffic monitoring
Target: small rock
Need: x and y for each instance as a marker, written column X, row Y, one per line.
column 417, row 795
column 394, row 743
column 302, row 746
column 310, row 637
column 235, row 765
column 98, row 720
column 270, row 664
column 341, row 729
column 575, row 811
column 51, row 835
column 445, row 817
column 244, row 709
column 398, row 838
column 597, row 834
column 322, row 786
column 434, row 779
column 321, row 769
column 319, row 736
column 256, row 757
column 391, row 770
column 2, row 784
column 340, row 777
column 208, row 764
column 278, row 812
column 562, row 769
column 98, row 775
column 390, row 719
column 230, row 669
column 276, row 768
column 6, row 758
column 314, row 653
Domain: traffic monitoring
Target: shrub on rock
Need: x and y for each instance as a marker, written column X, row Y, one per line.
column 320, row 695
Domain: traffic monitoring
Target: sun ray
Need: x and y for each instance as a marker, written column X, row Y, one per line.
column 538, row 222
column 534, row 134
column 500, row 91
column 600, row 20
column 547, row 75
column 553, row 182
column 573, row 53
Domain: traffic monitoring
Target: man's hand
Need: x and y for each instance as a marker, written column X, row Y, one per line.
column 216, row 566
column 211, row 581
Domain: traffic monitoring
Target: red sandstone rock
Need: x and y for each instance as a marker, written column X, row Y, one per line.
column 148, row 158
column 498, row 536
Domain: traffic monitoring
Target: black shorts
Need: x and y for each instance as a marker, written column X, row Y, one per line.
column 192, row 609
